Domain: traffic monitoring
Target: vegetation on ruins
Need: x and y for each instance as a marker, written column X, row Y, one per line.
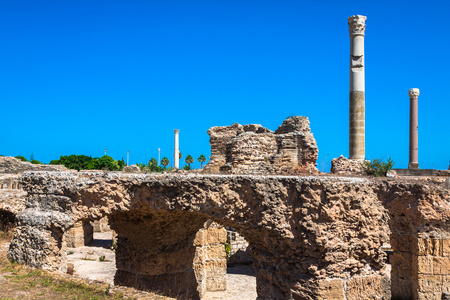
column 189, row 160
column 378, row 167
column 21, row 158
column 201, row 159
column 83, row 162
column 165, row 161
column 152, row 166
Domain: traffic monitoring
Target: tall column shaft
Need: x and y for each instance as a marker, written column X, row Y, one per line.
column 357, row 88
column 413, row 129
column 177, row 150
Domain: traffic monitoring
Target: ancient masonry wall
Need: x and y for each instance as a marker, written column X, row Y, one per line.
column 239, row 252
column 210, row 261
column 420, row 267
column 310, row 237
column 253, row 149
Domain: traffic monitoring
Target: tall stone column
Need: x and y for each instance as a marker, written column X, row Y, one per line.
column 357, row 28
column 413, row 129
column 177, row 150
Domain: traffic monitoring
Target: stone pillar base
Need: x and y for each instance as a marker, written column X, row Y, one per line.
column 413, row 165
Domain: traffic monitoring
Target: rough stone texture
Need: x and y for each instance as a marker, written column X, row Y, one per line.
column 81, row 234
column 12, row 200
column 132, row 169
column 210, row 262
column 10, row 181
column 253, row 149
column 239, row 252
column 344, row 166
column 310, row 237
column 101, row 225
column 11, row 165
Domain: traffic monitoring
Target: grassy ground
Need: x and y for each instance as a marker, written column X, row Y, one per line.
column 21, row 282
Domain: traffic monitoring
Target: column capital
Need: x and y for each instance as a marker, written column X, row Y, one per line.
column 357, row 25
column 176, row 130
column 414, row 93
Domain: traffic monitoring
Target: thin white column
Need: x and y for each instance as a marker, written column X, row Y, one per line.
column 413, row 129
column 177, row 150
column 357, row 29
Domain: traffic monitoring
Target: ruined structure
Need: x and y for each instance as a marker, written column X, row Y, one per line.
column 343, row 166
column 253, row 149
column 309, row 237
column 12, row 165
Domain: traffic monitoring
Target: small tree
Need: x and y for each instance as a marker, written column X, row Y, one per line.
column 21, row 158
column 165, row 161
column 201, row 159
column 180, row 155
column 377, row 167
column 189, row 160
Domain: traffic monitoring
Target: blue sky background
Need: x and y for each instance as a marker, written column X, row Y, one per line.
column 81, row 76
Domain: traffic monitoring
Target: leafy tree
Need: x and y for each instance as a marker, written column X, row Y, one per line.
column 201, row 159
column 21, row 158
column 153, row 161
column 83, row 162
column 165, row 161
column 180, row 155
column 377, row 167
column 189, row 160
column 35, row 162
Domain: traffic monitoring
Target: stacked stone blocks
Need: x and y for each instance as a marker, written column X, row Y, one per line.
column 210, row 261
column 420, row 268
column 253, row 149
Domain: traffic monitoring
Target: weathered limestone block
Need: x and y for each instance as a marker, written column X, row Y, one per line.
column 10, row 181
column 101, row 225
column 132, row 169
column 12, row 201
column 343, row 166
column 253, row 149
column 81, row 234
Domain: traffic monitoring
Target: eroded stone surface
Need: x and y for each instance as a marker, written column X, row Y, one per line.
column 253, row 149
column 302, row 231
column 11, row 165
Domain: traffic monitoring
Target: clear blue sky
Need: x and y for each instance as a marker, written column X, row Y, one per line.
column 77, row 77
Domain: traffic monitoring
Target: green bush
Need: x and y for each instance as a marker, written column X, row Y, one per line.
column 187, row 167
column 35, row 162
column 21, row 158
column 377, row 167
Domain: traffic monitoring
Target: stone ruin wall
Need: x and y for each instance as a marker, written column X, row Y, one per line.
column 253, row 149
column 310, row 238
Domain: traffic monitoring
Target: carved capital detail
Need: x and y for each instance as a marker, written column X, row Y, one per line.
column 357, row 25
column 414, row 93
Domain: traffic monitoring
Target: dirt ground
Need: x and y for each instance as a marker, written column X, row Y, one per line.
column 241, row 281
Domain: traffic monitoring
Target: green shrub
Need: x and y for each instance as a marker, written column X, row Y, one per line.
column 187, row 167
column 21, row 158
column 377, row 167
column 35, row 162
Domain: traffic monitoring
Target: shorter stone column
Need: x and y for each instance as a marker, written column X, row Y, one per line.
column 177, row 150
column 413, row 129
